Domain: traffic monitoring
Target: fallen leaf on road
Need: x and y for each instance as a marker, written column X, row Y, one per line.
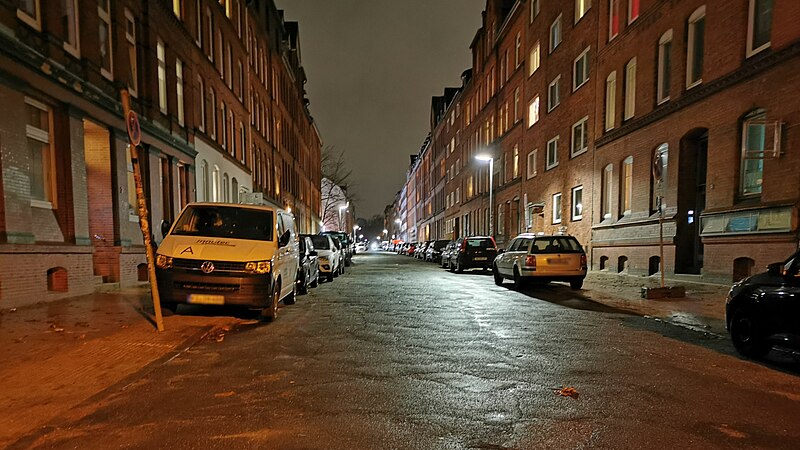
column 224, row 394
column 567, row 392
column 220, row 338
column 56, row 328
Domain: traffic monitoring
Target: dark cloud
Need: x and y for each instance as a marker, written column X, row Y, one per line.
column 373, row 66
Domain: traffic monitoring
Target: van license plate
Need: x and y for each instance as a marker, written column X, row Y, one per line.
column 201, row 299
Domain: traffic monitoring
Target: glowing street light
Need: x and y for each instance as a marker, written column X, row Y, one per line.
column 484, row 157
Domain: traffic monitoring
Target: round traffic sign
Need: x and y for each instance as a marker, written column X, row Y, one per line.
column 134, row 130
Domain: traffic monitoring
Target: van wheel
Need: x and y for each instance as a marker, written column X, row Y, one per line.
column 576, row 284
column 498, row 279
column 270, row 313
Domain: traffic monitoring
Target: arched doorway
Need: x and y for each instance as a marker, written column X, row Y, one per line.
column 692, row 165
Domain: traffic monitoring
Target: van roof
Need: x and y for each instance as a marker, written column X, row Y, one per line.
column 235, row 205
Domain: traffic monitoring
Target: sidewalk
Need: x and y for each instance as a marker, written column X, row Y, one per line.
column 703, row 309
column 59, row 356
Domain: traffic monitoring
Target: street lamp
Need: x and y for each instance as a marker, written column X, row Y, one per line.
column 483, row 157
column 342, row 208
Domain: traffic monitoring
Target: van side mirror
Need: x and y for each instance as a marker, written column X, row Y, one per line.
column 165, row 226
column 283, row 241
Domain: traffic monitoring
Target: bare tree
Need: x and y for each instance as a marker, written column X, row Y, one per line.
column 336, row 183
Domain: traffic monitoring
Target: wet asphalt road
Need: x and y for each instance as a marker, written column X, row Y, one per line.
column 398, row 354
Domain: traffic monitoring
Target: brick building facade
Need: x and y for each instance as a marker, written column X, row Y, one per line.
column 68, row 223
column 577, row 100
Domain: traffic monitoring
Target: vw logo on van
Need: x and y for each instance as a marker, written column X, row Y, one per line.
column 207, row 267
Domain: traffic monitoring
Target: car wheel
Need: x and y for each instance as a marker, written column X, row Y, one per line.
column 292, row 297
column 450, row 266
column 498, row 279
column 459, row 269
column 315, row 283
column 517, row 279
column 576, row 283
column 302, row 287
column 270, row 313
column 746, row 334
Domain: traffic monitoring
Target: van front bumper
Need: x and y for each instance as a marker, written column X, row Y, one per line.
column 177, row 286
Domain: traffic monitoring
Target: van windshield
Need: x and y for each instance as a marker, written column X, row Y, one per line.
column 225, row 222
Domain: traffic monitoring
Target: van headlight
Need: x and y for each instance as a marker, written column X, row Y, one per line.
column 163, row 262
column 259, row 267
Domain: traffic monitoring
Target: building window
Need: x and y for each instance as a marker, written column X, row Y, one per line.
column 162, row 77
column 69, row 22
column 553, row 94
column 205, row 188
column 104, row 34
column 130, row 39
column 552, row 153
column 229, row 66
column 40, row 152
column 209, row 44
column 611, row 99
column 516, row 105
column 240, row 80
column 626, row 189
column 633, row 10
column 232, row 132
column 517, row 50
column 759, row 26
column 516, row 161
column 613, row 19
column 581, row 8
column 580, row 137
column 199, row 24
column 30, row 12
column 234, row 190
column 535, row 6
column 533, row 111
column 557, row 208
column 212, row 107
column 664, row 67
column 531, row 163
column 223, row 115
column 555, row 33
column 754, row 143
column 606, row 198
column 225, row 188
column 577, row 203
column 179, row 90
column 215, row 185
column 580, row 70
column 177, row 8
column 220, row 52
column 535, row 58
column 200, row 101
column 630, row 89
column 243, row 144
column 694, row 47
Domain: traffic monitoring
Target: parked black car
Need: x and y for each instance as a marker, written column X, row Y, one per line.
column 764, row 310
column 474, row 252
column 434, row 251
column 308, row 270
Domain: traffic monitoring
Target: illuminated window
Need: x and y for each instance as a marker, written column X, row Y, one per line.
column 515, row 162
column 577, row 203
column 754, row 143
column 162, row 77
column 581, row 8
column 177, row 8
column 606, row 195
column 633, row 10
column 613, row 19
column 611, row 99
column 40, row 152
column 533, row 111
column 531, row 163
column 179, row 90
column 630, row 89
column 557, row 208
column 627, row 186
column 534, row 59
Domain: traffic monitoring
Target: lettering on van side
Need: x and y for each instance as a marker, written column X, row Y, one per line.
column 215, row 242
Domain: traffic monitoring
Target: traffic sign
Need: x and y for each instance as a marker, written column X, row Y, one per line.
column 134, row 130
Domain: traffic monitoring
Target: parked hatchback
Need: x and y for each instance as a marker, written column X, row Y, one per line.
column 434, row 251
column 541, row 258
column 763, row 310
column 474, row 252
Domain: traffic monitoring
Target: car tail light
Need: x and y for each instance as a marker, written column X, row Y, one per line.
column 464, row 245
column 583, row 261
column 530, row 261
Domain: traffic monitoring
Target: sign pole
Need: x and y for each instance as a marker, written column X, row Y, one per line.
column 135, row 135
column 661, row 237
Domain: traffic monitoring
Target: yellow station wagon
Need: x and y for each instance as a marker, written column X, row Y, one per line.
column 541, row 258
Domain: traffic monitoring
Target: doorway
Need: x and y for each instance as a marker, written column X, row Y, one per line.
column 692, row 169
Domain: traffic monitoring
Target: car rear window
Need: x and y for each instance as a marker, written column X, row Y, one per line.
column 556, row 244
column 321, row 242
column 480, row 243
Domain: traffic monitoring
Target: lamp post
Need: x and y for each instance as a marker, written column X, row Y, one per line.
column 342, row 208
column 483, row 157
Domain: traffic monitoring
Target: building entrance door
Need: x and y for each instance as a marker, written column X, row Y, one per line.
column 692, row 168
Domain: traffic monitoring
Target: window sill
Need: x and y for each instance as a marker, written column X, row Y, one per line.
column 31, row 21
column 662, row 101
column 551, row 167
column 579, row 153
column 74, row 51
column 41, row 204
column 750, row 53
column 694, row 84
column 107, row 74
column 577, row 218
column 575, row 88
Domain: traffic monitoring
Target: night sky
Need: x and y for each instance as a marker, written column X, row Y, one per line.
column 373, row 66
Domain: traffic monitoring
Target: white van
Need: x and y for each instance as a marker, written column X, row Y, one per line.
column 229, row 254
